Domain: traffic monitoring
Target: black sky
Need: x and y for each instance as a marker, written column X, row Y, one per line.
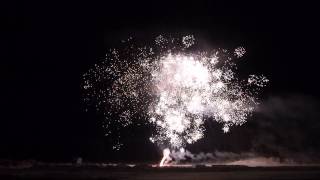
column 46, row 47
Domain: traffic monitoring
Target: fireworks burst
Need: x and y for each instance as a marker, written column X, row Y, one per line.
column 172, row 88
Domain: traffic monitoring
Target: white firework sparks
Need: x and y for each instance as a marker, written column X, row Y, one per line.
column 170, row 88
column 188, row 41
column 190, row 88
column 239, row 52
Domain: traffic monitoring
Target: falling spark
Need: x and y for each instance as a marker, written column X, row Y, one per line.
column 170, row 88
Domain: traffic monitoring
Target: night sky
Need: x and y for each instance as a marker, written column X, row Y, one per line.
column 46, row 47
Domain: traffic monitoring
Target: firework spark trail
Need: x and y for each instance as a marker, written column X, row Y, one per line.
column 171, row 88
column 166, row 157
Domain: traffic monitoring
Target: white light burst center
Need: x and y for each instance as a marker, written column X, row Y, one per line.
column 190, row 87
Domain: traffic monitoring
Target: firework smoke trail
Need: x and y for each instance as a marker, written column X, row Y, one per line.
column 171, row 88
